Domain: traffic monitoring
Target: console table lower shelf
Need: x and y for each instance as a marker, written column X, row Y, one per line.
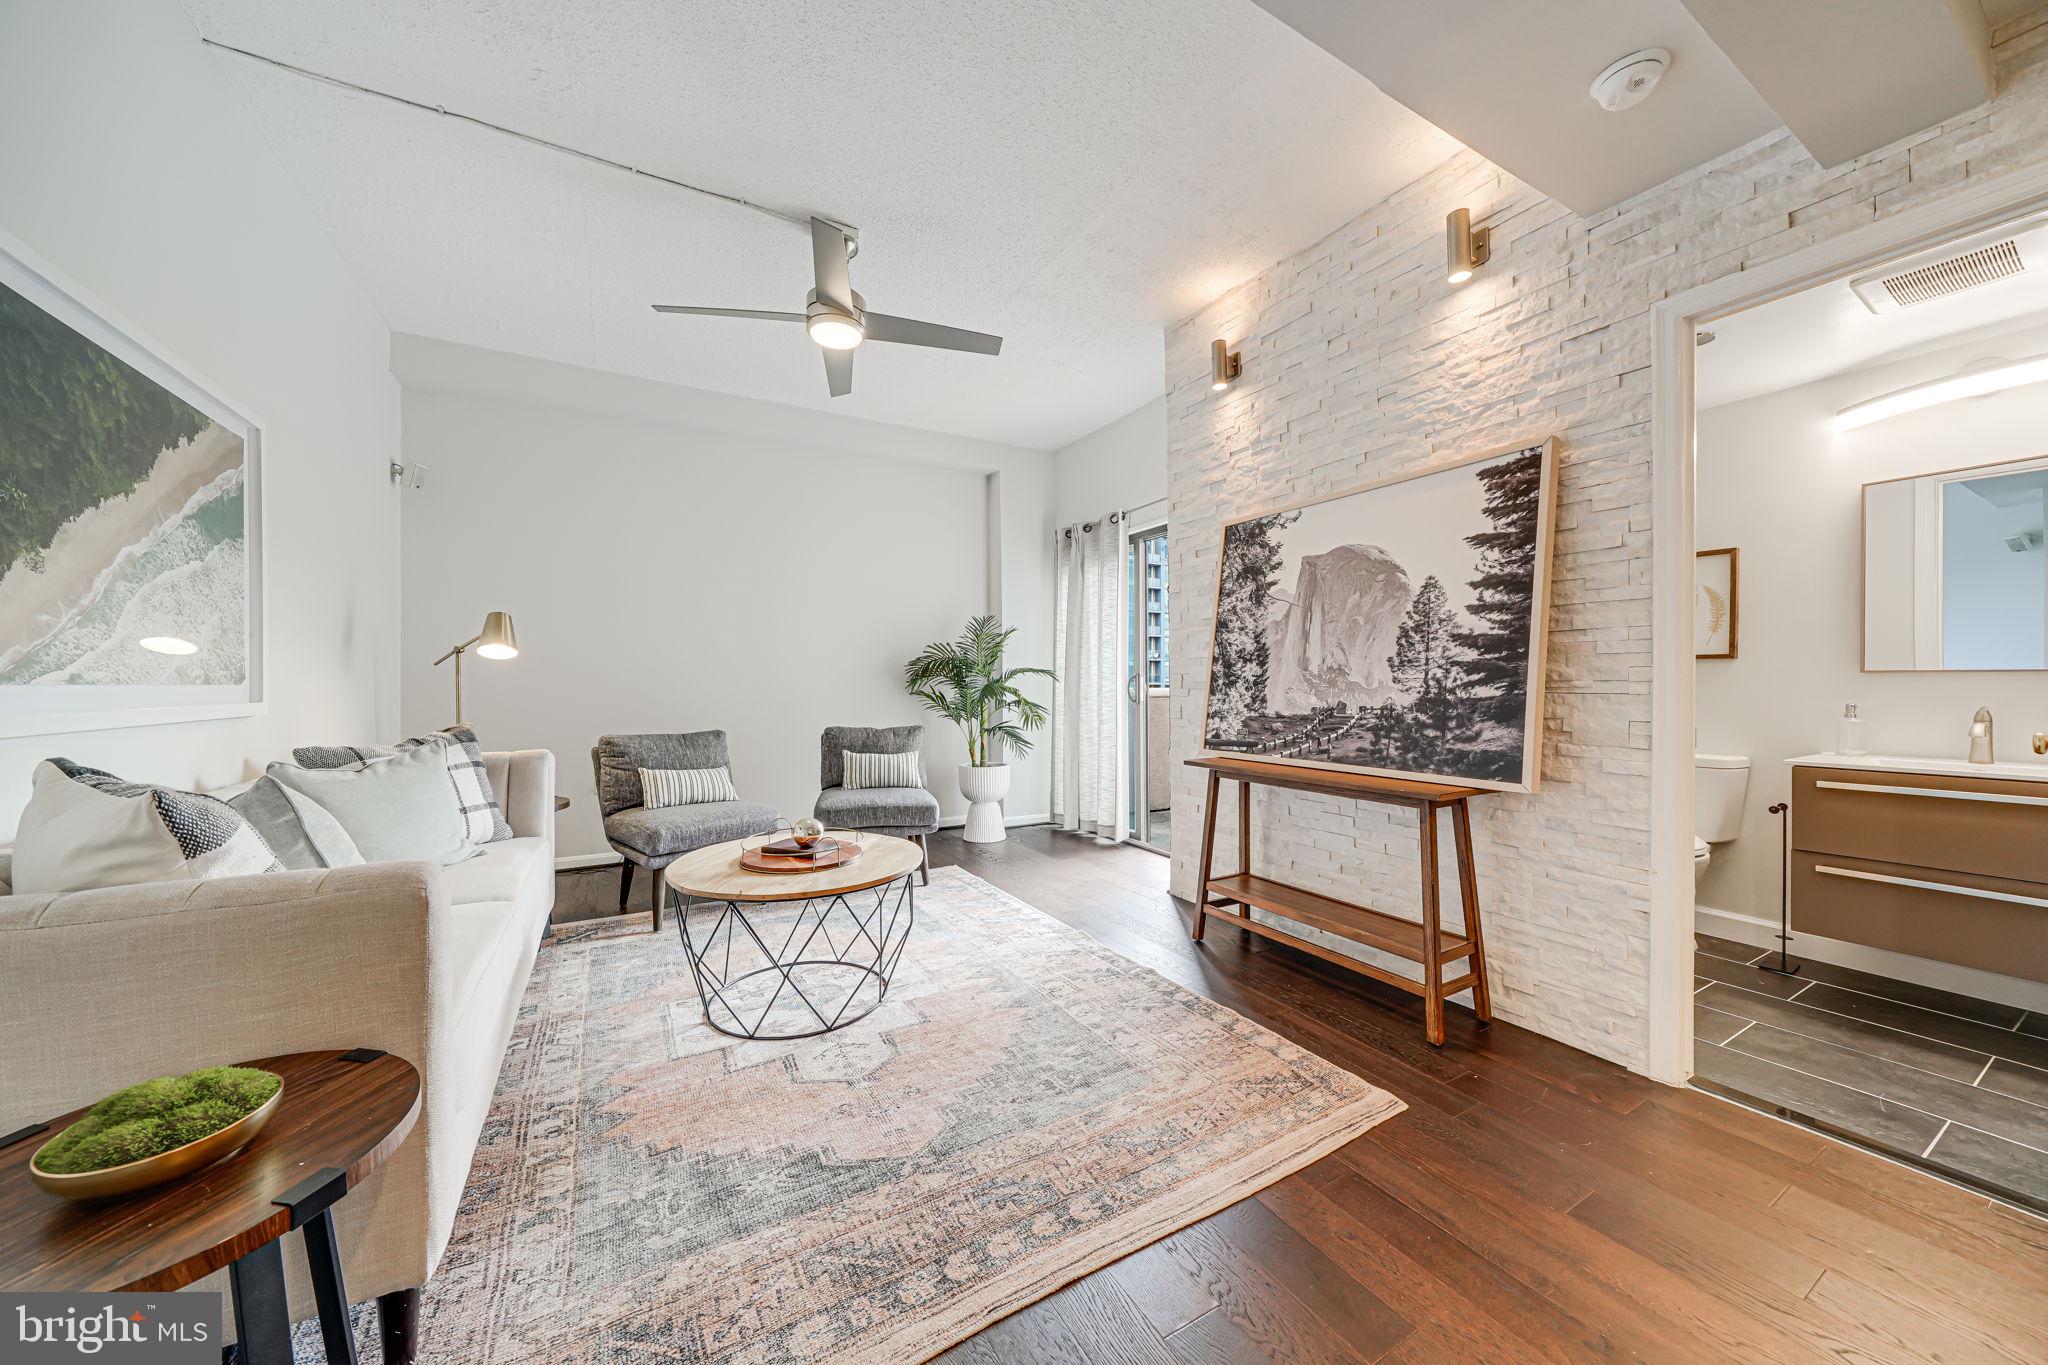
column 1427, row 942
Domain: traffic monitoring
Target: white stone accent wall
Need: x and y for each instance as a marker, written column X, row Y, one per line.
column 1360, row 363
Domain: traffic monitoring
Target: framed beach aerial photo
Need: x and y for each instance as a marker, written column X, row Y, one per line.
column 130, row 587
column 1395, row 629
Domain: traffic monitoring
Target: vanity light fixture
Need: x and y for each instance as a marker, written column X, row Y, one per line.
column 1466, row 248
column 1990, row 377
column 1224, row 364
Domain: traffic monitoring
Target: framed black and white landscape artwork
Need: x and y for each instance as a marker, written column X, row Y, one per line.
column 1395, row 629
column 130, row 572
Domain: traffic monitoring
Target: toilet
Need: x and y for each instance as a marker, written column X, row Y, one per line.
column 1719, row 783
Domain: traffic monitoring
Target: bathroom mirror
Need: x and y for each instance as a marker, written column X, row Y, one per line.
column 1955, row 575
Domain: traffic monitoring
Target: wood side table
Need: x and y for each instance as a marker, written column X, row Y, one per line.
column 1427, row 943
column 343, row 1114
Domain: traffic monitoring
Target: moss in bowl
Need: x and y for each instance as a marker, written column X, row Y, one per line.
column 155, row 1118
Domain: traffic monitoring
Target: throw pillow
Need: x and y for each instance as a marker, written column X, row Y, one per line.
column 395, row 808
column 685, row 786
column 483, row 820
column 84, row 829
column 299, row 832
column 881, row 770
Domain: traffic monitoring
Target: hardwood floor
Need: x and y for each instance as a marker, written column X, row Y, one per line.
column 1533, row 1203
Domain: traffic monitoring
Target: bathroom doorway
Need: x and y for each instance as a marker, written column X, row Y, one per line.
column 1868, row 702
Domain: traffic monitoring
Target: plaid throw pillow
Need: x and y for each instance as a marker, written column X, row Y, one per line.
column 881, row 770
column 481, row 815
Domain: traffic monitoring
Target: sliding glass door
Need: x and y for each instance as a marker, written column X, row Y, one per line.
column 1150, row 783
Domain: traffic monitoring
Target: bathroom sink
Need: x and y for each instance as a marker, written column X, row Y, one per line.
column 1941, row 767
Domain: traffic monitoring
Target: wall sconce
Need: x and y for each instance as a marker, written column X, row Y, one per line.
column 1224, row 365
column 1466, row 248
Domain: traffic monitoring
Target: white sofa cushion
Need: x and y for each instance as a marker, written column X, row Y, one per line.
column 499, row 872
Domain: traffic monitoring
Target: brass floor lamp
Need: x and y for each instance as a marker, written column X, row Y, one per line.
column 494, row 641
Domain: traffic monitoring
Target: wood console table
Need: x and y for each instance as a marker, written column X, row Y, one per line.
column 1425, row 943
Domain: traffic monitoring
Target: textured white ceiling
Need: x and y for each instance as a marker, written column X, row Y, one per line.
column 1070, row 175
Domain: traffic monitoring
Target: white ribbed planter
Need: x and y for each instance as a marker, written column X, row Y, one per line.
column 984, row 789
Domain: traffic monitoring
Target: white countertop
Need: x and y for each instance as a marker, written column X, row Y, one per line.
column 2035, row 771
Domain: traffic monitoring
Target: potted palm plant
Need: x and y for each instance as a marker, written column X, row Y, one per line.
column 965, row 681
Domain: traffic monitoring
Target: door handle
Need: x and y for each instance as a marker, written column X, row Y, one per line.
column 1131, row 687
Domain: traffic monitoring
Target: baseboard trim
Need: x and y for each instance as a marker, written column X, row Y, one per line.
column 572, row 862
column 577, row 862
column 1009, row 821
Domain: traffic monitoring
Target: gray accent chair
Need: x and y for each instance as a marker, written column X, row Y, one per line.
column 655, row 838
column 906, row 812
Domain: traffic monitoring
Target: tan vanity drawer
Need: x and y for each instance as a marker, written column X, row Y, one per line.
column 1985, row 922
column 1962, row 824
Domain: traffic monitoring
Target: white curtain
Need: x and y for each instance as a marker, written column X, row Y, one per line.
column 1089, row 624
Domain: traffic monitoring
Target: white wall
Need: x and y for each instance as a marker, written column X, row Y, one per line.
column 130, row 172
column 1122, row 464
column 680, row 560
column 1780, row 483
column 1360, row 363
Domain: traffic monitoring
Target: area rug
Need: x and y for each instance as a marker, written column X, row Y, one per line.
column 1024, row 1107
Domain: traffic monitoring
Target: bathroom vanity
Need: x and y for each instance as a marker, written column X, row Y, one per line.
column 1935, row 858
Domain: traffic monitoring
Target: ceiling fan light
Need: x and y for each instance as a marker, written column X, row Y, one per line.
column 835, row 331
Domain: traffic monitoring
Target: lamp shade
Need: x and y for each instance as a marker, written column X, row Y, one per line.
column 496, row 640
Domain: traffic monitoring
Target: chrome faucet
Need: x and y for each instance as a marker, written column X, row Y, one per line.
column 1980, row 736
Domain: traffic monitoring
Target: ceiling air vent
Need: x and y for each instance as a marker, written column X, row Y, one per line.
column 2018, row 249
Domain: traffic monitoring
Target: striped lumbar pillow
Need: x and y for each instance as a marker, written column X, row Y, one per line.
column 880, row 770
column 685, row 786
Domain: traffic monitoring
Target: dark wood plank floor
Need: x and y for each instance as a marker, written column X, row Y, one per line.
column 1533, row 1203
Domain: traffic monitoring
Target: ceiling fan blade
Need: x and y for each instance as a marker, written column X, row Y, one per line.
column 828, row 259
column 839, row 372
column 728, row 312
column 911, row 332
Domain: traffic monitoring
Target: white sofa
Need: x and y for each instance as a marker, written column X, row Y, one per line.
column 100, row 989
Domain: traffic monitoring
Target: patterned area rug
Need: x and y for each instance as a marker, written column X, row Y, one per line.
column 1024, row 1107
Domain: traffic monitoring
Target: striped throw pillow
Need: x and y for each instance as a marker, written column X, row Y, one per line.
column 685, row 786
column 881, row 770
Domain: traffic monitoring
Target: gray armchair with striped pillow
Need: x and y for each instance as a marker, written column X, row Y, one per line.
column 904, row 808
column 666, row 795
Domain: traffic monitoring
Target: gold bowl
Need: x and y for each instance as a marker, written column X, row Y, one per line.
column 164, row 1166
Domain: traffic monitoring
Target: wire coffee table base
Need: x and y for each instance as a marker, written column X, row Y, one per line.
column 826, row 962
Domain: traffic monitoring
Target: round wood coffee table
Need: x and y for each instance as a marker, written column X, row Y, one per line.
column 343, row 1114
column 791, row 955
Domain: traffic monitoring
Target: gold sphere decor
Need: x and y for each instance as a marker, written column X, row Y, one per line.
column 807, row 831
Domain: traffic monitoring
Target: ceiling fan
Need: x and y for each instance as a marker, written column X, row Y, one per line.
column 836, row 317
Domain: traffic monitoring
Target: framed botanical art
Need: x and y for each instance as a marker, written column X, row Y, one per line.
column 1395, row 629
column 1716, row 606
column 130, row 527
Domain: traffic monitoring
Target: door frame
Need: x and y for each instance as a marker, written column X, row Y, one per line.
column 1673, row 456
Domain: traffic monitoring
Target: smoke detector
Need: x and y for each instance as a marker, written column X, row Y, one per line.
column 1629, row 81
column 1986, row 258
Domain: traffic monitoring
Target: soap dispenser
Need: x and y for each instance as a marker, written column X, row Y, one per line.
column 1849, row 732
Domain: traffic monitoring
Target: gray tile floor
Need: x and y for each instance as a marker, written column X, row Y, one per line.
column 1951, row 1083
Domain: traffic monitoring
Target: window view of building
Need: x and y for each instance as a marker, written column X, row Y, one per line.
column 1155, row 612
